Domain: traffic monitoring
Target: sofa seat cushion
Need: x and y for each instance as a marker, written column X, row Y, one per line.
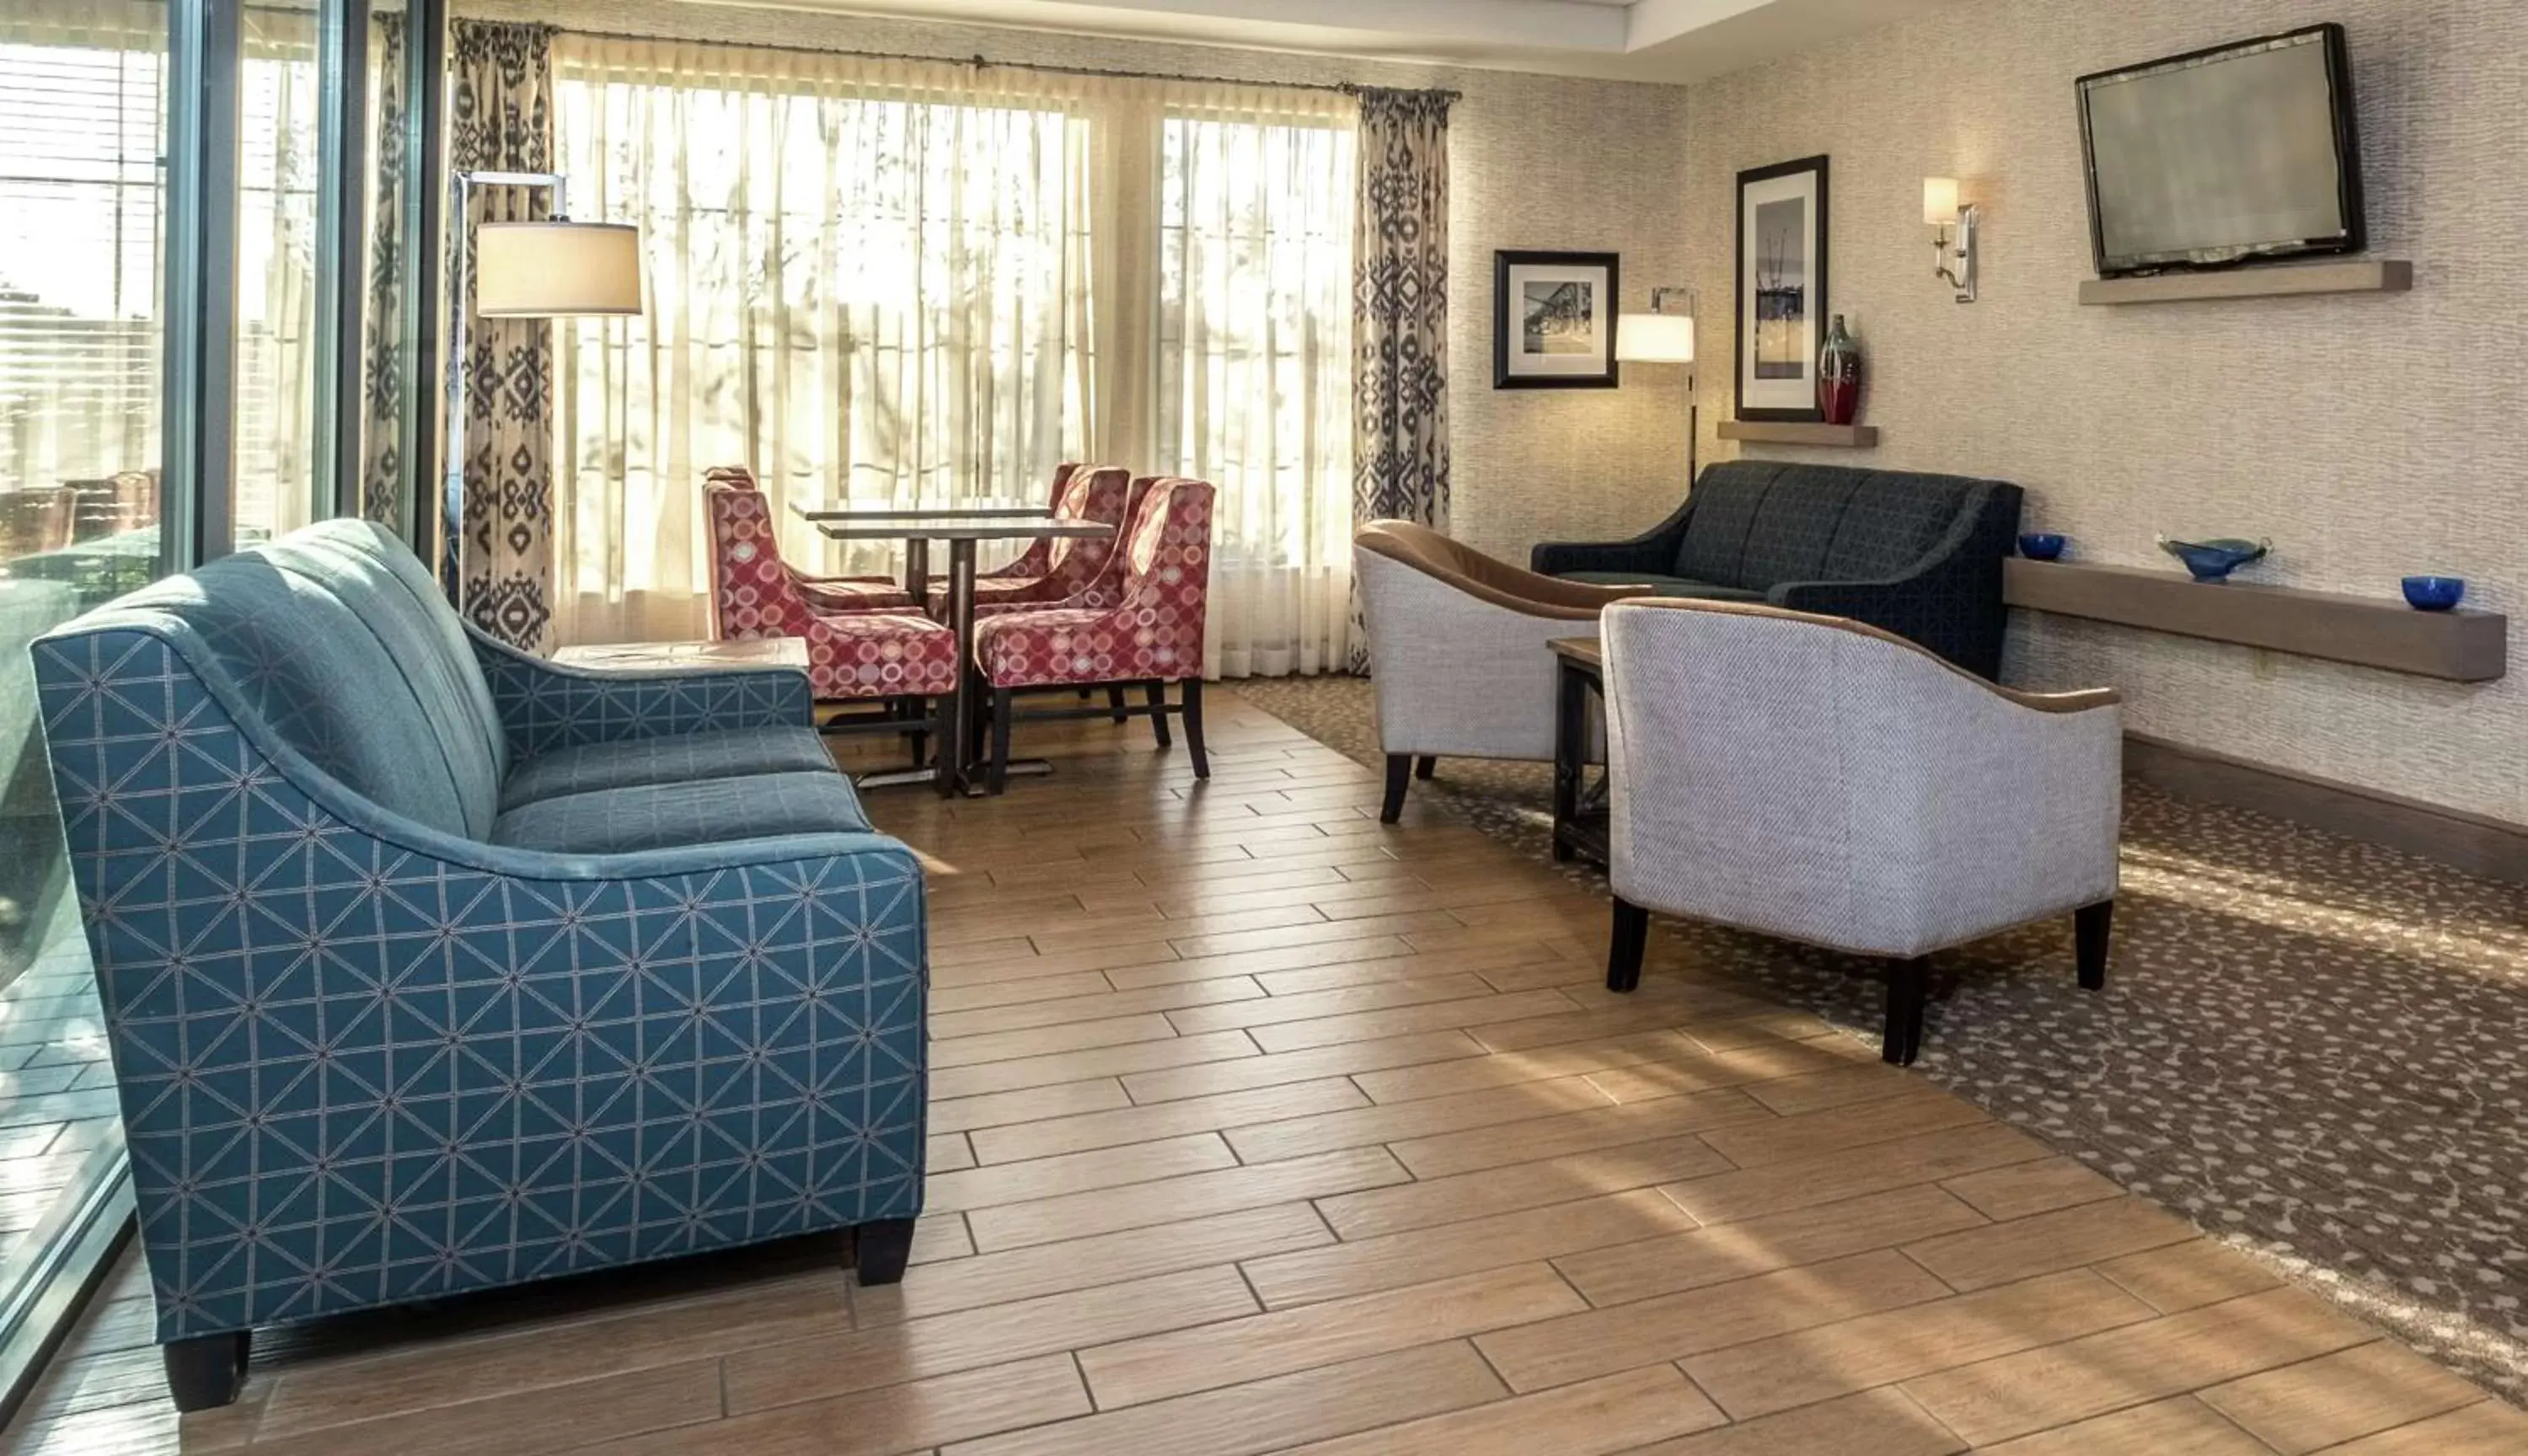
column 1665, row 585
column 678, row 815
column 671, row 758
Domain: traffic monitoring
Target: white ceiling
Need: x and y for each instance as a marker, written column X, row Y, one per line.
column 1663, row 41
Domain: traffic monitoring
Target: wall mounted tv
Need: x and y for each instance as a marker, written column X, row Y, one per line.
column 2245, row 153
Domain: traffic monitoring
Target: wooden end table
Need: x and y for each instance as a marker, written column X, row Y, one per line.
column 1580, row 813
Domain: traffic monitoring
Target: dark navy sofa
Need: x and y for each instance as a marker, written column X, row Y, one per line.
column 1918, row 555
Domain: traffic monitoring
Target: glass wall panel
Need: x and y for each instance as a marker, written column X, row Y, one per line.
column 82, row 217
column 277, row 444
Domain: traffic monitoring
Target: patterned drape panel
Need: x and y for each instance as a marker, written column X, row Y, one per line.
column 383, row 349
column 500, row 119
column 1399, row 318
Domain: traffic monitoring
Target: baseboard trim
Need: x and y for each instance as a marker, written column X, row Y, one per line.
column 2491, row 848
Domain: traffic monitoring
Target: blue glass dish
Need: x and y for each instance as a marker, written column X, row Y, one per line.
column 2435, row 593
column 2214, row 560
column 2041, row 545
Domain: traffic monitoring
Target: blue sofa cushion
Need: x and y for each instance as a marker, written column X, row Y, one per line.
column 1894, row 520
column 693, row 758
column 338, row 661
column 657, row 816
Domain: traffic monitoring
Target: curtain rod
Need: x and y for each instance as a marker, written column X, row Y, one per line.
column 982, row 61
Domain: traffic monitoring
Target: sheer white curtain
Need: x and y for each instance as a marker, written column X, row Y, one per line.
column 898, row 282
column 860, row 283
column 1255, row 365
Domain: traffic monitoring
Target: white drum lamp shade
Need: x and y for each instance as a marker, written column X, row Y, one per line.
column 556, row 270
column 1939, row 202
column 1654, row 339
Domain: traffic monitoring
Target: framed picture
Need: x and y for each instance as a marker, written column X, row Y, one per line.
column 1781, row 289
column 1553, row 321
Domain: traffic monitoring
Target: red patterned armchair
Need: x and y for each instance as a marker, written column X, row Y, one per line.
column 823, row 593
column 899, row 658
column 1153, row 634
column 1074, row 571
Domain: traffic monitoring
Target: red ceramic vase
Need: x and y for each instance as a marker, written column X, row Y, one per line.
column 1838, row 375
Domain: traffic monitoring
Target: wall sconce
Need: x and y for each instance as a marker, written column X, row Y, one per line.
column 1954, row 262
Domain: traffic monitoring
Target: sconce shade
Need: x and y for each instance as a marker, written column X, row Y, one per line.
column 556, row 270
column 1654, row 339
column 1940, row 201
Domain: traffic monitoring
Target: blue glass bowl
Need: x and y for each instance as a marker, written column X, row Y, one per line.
column 2214, row 560
column 2435, row 593
column 2041, row 545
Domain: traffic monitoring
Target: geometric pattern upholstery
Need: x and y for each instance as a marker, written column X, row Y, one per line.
column 851, row 655
column 1154, row 632
column 1079, row 570
column 1919, row 555
column 825, row 593
column 364, row 1059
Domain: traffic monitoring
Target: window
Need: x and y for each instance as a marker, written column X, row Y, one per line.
column 907, row 283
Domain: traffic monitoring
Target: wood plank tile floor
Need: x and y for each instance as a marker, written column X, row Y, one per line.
column 1259, row 1128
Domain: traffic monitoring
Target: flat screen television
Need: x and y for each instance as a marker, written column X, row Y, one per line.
column 2245, row 153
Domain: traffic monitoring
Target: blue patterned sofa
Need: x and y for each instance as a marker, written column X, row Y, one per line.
column 430, row 966
column 1918, row 555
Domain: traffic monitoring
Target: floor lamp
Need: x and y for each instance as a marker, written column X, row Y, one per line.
column 548, row 269
column 1661, row 336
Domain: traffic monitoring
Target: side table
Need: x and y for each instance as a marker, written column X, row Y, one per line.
column 1580, row 813
column 688, row 656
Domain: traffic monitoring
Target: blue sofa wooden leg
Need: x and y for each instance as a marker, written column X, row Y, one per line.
column 205, row 1373
column 882, row 1249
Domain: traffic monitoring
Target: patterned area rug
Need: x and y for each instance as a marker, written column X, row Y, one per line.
column 2315, row 1047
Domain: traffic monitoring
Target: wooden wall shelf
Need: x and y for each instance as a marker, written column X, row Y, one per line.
column 1764, row 432
column 2464, row 646
column 2278, row 280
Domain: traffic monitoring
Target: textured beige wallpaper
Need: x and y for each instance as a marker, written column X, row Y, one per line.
column 2369, row 436
column 1537, row 162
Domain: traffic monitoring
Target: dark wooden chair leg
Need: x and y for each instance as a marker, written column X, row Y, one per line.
column 1191, row 690
column 1399, row 772
column 1625, row 947
column 2091, row 928
column 1425, row 766
column 1000, row 778
column 1907, row 985
column 1157, row 695
column 1114, row 704
column 205, row 1373
column 919, row 709
column 881, row 1249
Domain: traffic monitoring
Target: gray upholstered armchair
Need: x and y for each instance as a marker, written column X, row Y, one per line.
column 1457, row 640
column 1823, row 781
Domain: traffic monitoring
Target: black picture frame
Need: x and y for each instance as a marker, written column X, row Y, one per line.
column 1772, row 396
column 1519, row 368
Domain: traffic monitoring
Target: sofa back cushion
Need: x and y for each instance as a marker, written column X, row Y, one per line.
column 1756, row 524
column 334, row 643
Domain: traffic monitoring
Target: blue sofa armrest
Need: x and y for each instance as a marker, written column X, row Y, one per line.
column 544, row 706
column 1949, row 602
column 1653, row 552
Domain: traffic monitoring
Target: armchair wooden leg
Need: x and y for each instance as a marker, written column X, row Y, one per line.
column 2091, row 928
column 1191, row 690
column 1114, row 703
column 1399, row 772
column 1000, row 778
column 881, row 1249
column 1425, row 766
column 205, row 1373
column 1908, row 983
column 1626, row 946
column 1156, row 694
